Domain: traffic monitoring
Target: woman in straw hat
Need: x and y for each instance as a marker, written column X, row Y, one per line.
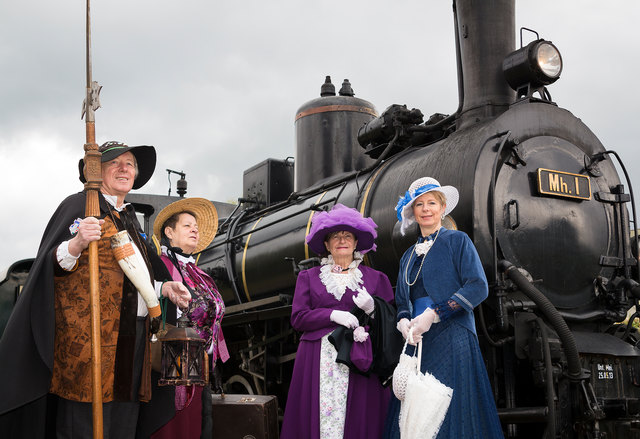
column 184, row 228
column 440, row 281
column 327, row 399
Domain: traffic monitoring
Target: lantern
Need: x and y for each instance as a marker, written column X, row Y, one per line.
column 184, row 360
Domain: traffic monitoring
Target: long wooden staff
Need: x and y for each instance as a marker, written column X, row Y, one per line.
column 93, row 175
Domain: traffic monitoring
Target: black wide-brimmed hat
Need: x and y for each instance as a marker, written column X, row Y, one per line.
column 145, row 158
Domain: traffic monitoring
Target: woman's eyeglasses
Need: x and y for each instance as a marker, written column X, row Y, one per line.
column 337, row 236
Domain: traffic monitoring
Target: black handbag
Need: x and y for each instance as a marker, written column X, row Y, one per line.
column 342, row 339
column 386, row 340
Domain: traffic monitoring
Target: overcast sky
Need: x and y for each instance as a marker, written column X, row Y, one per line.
column 215, row 85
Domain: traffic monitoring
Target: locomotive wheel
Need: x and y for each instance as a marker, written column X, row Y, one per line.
column 239, row 385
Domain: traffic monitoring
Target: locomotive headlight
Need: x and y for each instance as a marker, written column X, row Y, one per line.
column 537, row 64
column 549, row 60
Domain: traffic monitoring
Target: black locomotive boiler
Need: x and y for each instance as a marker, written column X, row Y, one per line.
column 539, row 196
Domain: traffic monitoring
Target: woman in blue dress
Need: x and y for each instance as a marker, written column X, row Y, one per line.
column 440, row 281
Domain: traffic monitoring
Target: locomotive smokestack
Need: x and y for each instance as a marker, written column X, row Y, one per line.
column 486, row 35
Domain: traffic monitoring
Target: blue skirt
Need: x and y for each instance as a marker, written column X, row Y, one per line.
column 451, row 353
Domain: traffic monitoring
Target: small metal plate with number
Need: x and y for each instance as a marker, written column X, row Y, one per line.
column 564, row 184
column 605, row 371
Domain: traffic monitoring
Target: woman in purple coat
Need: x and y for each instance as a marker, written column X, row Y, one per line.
column 326, row 399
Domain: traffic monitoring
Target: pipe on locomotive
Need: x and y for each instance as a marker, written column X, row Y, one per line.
column 550, row 394
column 553, row 317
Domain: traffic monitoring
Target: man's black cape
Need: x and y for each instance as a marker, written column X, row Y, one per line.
column 27, row 345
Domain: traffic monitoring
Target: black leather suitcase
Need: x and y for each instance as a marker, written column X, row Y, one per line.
column 244, row 416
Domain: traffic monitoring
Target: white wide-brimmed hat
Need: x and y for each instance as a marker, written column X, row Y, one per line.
column 421, row 186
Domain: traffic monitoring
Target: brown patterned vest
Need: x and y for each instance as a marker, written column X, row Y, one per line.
column 71, row 376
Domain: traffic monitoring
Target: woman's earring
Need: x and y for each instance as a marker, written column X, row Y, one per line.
column 442, row 216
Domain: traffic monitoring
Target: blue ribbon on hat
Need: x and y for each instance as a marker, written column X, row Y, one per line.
column 409, row 197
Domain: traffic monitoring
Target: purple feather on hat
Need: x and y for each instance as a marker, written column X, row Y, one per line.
column 342, row 218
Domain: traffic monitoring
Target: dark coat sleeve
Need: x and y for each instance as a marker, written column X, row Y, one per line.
column 26, row 347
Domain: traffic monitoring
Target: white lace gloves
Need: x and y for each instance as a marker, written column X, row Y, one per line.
column 419, row 325
column 403, row 326
column 364, row 301
column 344, row 318
column 422, row 323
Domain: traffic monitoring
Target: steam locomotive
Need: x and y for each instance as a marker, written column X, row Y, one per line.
column 539, row 196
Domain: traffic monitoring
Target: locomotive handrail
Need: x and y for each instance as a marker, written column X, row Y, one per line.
column 600, row 156
column 250, row 305
column 240, row 235
column 230, row 217
column 492, row 199
column 257, row 315
column 551, row 397
column 228, row 264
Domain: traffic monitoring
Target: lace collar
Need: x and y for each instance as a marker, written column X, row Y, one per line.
column 424, row 243
column 337, row 283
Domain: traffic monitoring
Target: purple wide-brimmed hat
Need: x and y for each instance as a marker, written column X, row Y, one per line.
column 342, row 218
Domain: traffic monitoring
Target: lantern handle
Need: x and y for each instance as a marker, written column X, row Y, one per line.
column 163, row 308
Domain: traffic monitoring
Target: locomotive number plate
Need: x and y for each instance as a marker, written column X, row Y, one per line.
column 605, row 371
column 564, row 184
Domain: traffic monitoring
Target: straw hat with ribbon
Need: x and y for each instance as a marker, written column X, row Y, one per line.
column 404, row 208
column 205, row 213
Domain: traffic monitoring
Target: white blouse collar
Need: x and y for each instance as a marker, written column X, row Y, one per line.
column 112, row 199
column 337, row 283
column 183, row 259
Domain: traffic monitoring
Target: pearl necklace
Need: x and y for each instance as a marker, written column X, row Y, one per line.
column 406, row 268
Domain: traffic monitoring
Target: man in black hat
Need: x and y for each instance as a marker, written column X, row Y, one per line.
column 45, row 352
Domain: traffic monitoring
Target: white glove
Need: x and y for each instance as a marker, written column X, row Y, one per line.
column 364, row 301
column 344, row 318
column 89, row 229
column 403, row 326
column 423, row 322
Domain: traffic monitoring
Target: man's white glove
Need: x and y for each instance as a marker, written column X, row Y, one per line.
column 364, row 301
column 344, row 318
column 403, row 326
column 423, row 322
